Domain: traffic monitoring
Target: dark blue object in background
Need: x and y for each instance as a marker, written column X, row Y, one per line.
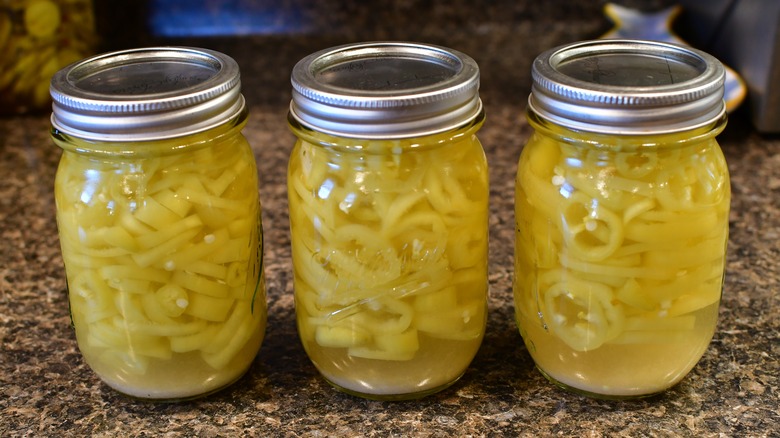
column 187, row 18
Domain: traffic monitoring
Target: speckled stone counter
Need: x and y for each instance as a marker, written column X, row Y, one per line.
column 47, row 390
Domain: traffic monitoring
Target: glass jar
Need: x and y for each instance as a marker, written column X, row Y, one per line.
column 159, row 220
column 37, row 38
column 622, row 206
column 388, row 199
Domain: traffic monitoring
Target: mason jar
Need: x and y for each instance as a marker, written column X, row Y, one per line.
column 159, row 220
column 388, row 202
column 622, row 206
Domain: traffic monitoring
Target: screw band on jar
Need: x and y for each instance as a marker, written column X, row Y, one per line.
column 118, row 97
column 627, row 87
column 414, row 90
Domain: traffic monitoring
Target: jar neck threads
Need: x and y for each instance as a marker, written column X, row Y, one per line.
column 601, row 140
column 150, row 148
column 381, row 145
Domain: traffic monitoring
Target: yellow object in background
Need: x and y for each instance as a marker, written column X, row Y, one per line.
column 38, row 38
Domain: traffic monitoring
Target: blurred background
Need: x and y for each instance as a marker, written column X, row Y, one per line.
column 37, row 37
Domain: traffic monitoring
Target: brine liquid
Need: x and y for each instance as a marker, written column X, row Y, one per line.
column 179, row 377
column 164, row 263
column 619, row 256
column 621, row 369
column 438, row 364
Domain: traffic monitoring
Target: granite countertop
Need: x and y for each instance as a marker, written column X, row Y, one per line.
column 47, row 390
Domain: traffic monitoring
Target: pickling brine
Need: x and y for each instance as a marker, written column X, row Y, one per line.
column 622, row 207
column 389, row 243
column 163, row 262
column 620, row 270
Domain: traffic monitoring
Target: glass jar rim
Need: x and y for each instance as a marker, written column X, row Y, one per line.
column 157, row 147
column 610, row 140
column 308, row 134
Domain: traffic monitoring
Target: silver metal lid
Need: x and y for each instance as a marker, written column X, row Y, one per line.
column 627, row 87
column 385, row 90
column 146, row 94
